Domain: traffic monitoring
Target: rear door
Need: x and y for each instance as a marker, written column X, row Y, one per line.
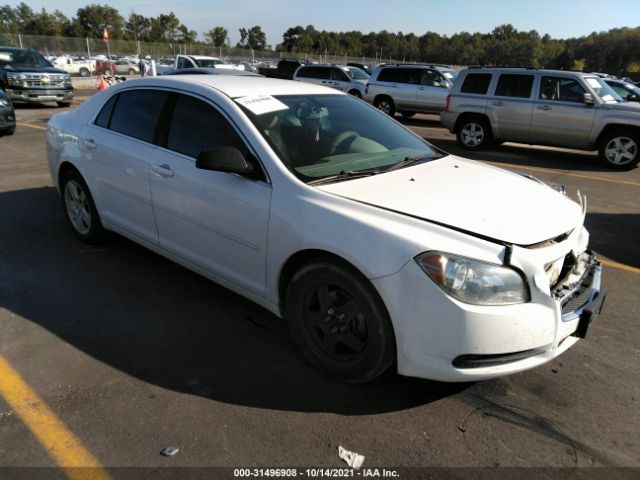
column 340, row 80
column 560, row 116
column 217, row 221
column 511, row 107
column 119, row 148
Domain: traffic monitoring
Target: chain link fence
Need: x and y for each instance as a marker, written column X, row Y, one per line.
column 86, row 47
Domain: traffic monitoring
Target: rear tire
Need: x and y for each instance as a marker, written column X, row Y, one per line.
column 80, row 210
column 63, row 104
column 84, row 72
column 619, row 149
column 408, row 114
column 385, row 105
column 355, row 93
column 474, row 133
column 339, row 322
column 108, row 72
column 131, row 72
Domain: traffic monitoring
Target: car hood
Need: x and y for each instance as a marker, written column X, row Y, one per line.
column 26, row 69
column 625, row 106
column 466, row 195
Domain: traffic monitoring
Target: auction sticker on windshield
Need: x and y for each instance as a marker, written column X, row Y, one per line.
column 261, row 104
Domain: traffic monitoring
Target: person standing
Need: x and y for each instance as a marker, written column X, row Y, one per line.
column 142, row 66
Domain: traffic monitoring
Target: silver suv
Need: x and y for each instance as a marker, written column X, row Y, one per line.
column 409, row 88
column 543, row 107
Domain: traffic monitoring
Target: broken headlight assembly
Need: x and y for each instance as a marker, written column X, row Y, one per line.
column 474, row 281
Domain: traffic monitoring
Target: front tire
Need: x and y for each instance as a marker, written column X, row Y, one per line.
column 84, row 72
column 619, row 149
column 63, row 104
column 339, row 322
column 385, row 105
column 80, row 210
column 408, row 114
column 474, row 133
column 131, row 72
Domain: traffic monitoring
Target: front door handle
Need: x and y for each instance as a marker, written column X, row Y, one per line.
column 163, row 170
column 544, row 107
column 90, row 143
column 498, row 104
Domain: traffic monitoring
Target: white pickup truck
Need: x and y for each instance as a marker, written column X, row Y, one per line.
column 202, row 61
column 75, row 67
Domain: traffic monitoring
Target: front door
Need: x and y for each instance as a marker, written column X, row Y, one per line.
column 560, row 116
column 217, row 221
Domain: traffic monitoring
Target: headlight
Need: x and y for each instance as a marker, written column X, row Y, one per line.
column 4, row 102
column 14, row 79
column 473, row 281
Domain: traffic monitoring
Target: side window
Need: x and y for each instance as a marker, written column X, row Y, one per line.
column 197, row 126
column 305, row 72
column 561, row 89
column 623, row 92
column 323, row 73
column 337, row 74
column 476, row 83
column 103, row 118
column 431, row 78
column 387, row 75
column 137, row 112
column 514, row 85
column 408, row 75
column 184, row 63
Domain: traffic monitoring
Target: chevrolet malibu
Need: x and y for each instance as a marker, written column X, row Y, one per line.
column 376, row 247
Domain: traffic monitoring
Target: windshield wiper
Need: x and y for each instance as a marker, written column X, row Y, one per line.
column 344, row 174
column 408, row 161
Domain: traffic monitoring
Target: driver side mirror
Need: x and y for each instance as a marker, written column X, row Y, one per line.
column 588, row 98
column 224, row 159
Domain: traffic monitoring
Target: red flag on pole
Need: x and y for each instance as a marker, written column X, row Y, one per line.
column 105, row 34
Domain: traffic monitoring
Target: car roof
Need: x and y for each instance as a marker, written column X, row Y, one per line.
column 235, row 86
column 203, row 57
column 210, row 71
column 529, row 70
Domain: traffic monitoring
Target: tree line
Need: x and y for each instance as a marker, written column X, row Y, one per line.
column 613, row 51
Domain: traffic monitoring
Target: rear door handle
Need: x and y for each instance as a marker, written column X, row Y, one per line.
column 90, row 143
column 498, row 104
column 544, row 107
column 163, row 170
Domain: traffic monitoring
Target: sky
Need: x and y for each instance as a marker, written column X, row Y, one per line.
column 560, row 19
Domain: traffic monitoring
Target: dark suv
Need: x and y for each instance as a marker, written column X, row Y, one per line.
column 26, row 76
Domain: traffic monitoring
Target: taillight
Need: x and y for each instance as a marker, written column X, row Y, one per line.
column 366, row 88
column 446, row 104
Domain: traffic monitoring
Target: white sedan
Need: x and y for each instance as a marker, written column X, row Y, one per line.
column 376, row 247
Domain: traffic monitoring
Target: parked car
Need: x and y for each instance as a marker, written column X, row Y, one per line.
column 7, row 116
column 629, row 92
column 127, row 67
column 408, row 88
column 105, row 67
column 334, row 76
column 285, row 69
column 195, row 61
column 377, row 247
column 543, row 107
column 209, row 71
column 26, row 76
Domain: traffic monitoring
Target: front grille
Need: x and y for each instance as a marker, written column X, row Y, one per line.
column 43, row 80
column 576, row 287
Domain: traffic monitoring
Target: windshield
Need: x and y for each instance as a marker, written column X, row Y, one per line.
column 26, row 58
column 357, row 74
column 319, row 136
column 208, row 62
column 604, row 91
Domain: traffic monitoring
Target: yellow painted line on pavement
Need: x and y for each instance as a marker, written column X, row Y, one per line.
column 619, row 266
column 38, row 127
column 549, row 170
column 59, row 443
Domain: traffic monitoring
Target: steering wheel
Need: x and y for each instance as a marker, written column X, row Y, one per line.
column 343, row 137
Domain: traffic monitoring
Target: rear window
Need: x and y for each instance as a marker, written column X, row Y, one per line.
column 400, row 75
column 137, row 112
column 514, row 86
column 103, row 118
column 476, row 83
